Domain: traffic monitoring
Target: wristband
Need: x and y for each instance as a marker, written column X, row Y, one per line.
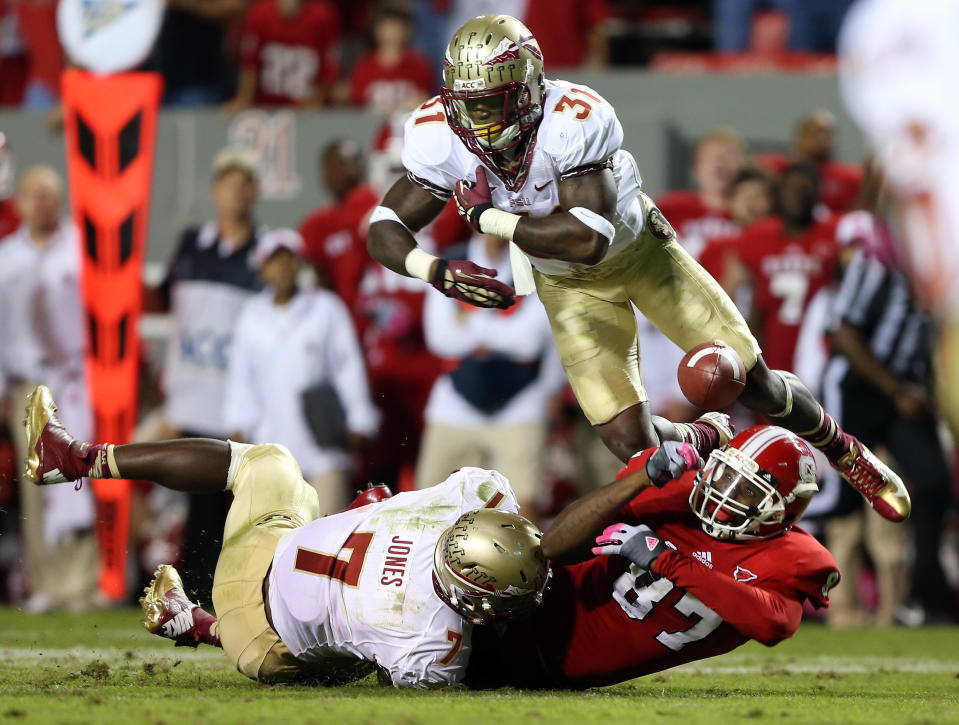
column 419, row 263
column 501, row 223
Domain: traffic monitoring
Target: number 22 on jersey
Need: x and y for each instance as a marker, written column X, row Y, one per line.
column 638, row 596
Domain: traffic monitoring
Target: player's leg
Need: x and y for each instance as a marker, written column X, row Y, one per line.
column 678, row 296
column 55, row 456
column 598, row 343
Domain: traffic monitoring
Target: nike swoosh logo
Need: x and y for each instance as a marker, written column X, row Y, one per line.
column 540, row 188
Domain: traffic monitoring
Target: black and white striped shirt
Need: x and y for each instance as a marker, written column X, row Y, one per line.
column 877, row 300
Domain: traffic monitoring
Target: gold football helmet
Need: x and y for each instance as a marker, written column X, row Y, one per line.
column 489, row 564
column 493, row 92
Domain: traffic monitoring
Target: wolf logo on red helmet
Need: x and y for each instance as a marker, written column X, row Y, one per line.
column 755, row 487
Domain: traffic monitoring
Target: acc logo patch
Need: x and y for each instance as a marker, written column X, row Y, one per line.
column 658, row 224
column 743, row 575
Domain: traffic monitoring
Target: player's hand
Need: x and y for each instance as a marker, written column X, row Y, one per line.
column 640, row 544
column 670, row 461
column 471, row 283
column 473, row 198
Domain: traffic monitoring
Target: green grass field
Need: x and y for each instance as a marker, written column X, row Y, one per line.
column 101, row 668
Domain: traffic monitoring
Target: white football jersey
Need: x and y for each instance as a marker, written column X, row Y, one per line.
column 360, row 583
column 579, row 129
column 898, row 65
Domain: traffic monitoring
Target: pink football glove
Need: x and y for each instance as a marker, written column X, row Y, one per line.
column 473, row 198
column 671, row 461
column 640, row 544
column 471, row 283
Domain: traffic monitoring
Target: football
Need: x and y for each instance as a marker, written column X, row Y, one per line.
column 712, row 375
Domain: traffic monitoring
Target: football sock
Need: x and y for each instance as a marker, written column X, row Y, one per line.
column 701, row 436
column 101, row 462
column 828, row 437
column 206, row 627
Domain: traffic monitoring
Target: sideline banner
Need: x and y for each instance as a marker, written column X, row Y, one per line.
column 110, row 130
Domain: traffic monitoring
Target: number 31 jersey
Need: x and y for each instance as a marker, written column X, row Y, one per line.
column 359, row 584
column 579, row 132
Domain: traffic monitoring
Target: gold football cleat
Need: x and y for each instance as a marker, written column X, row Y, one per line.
column 882, row 487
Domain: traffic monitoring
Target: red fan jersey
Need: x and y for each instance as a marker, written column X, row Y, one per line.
column 606, row 621
column 694, row 222
column 291, row 55
column 9, row 219
column 382, row 88
column 839, row 182
column 787, row 272
column 333, row 243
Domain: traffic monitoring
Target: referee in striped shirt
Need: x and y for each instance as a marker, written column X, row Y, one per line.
column 880, row 382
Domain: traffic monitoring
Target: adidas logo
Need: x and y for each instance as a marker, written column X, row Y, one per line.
column 704, row 557
column 179, row 624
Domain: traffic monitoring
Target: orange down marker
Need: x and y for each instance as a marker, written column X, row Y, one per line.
column 110, row 129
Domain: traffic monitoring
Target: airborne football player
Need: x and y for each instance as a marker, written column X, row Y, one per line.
column 540, row 162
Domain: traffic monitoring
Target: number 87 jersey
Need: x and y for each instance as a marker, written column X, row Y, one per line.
column 605, row 621
column 578, row 133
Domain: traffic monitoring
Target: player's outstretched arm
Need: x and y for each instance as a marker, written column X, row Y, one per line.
column 580, row 232
column 390, row 241
column 571, row 534
column 407, row 208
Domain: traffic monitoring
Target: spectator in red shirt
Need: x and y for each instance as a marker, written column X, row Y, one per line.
column 331, row 231
column 9, row 218
column 752, row 196
column 788, row 259
column 702, row 213
column 289, row 54
column 571, row 33
column 392, row 76
column 814, row 142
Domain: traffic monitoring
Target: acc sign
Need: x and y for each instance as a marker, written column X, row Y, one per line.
column 108, row 36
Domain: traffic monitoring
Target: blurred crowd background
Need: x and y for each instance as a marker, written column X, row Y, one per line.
column 291, row 333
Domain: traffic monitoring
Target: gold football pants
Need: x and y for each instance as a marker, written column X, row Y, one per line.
column 270, row 497
column 594, row 324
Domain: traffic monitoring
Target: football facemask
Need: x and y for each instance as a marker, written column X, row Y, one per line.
column 493, row 91
column 489, row 565
column 736, row 494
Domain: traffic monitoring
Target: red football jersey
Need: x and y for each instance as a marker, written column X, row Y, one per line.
column 787, row 272
column 333, row 243
column 694, row 222
column 291, row 55
column 9, row 219
column 839, row 181
column 562, row 27
column 381, row 88
column 605, row 620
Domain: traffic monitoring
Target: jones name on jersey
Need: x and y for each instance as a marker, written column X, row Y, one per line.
column 359, row 584
column 579, row 133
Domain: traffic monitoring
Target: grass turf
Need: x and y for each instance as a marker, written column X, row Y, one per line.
column 101, row 668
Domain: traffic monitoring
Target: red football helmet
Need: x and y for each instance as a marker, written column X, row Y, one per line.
column 755, row 487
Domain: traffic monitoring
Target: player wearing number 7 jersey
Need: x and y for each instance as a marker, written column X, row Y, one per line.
column 540, row 162
column 704, row 563
column 395, row 587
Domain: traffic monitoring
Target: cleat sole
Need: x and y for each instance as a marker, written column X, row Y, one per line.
column 40, row 408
